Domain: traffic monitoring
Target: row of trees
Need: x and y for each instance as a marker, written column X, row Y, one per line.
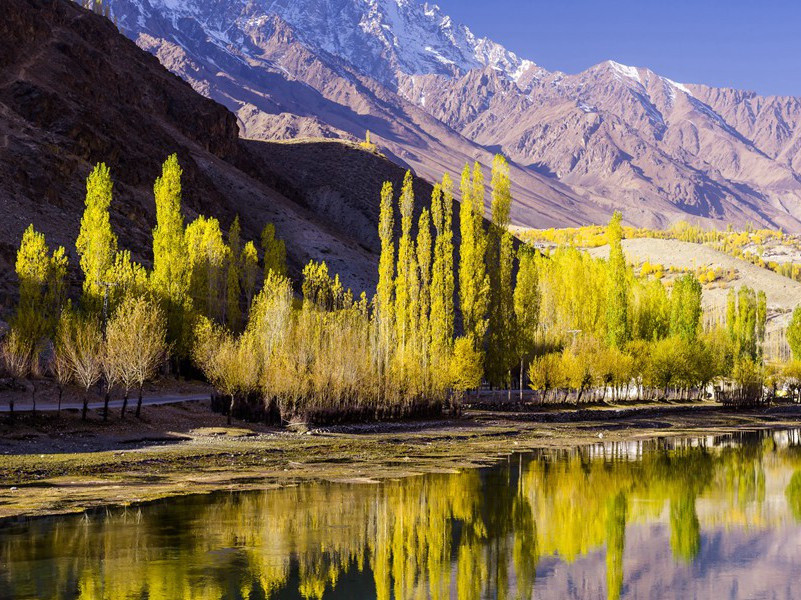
column 128, row 319
column 443, row 317
column 632, row 336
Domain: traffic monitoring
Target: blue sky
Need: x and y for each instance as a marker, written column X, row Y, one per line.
column 747, row 44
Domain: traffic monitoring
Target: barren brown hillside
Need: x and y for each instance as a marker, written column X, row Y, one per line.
column 74, row 92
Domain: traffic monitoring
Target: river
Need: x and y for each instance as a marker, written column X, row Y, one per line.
column 673, row 518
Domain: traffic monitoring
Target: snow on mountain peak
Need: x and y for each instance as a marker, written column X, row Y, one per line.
column 380, row 38
column 412, row 37
column 625, row 71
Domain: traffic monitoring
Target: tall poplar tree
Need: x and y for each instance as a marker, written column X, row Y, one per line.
column 208, row 257
column 473, row 279
column 405, row 278
column 250, row 272
column 526, row 306
column 170, row 276
column 274, row 250
column 96, row 244
column 448, row 269
column 442, row 276
column 500, row 263
column 386, row 274
column 685, row 307
column 617, row 306
column 233, row 313
column 424, row 263
column 41, row 279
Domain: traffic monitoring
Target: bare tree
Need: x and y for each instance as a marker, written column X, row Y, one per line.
column 111, row 376
column 229, row 363
column 17, row 353
column 84, row 350
column 135, row 346
column 60, row 364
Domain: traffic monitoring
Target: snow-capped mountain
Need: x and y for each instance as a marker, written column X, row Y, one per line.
column 377, row 37
column 435, row 95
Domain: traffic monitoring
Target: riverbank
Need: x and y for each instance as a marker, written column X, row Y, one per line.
column 53, row 465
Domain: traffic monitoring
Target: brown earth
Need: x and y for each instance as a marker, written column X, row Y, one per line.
column 50, row 465
column 74, row 92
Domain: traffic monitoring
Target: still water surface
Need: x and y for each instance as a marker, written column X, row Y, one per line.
column 696, row 518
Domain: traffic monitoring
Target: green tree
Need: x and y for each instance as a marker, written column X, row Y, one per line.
column 405, row 277
column 473, row 279
column 526, row 306
column 500, row 262
column 794, row 333
column 233, row 313
column 424, row 261
column 208, row 257
column 126, row 278
column 442, row 277
column 41, row 277
column 170, row 276
column 250, row 272
column 96, row 244
column 465, row 368
column 386, row 274
column 617, row 308
column 746, row 315
column 274, row 250
column 685, row 307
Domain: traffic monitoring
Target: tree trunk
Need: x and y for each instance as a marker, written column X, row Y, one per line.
column 124, row 403
column 509, row 389
column 60, row 396
column 139, row 402
column 231, row 407
column 521, row 381
column 33, row 396
column 85, row 405
column 106, row 399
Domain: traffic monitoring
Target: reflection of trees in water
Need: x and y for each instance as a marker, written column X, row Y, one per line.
column 793, row 494
column 685, row 529
column 615, row 544
column 470, row 535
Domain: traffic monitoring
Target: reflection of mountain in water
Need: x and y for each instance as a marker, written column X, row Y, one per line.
column 667, row 518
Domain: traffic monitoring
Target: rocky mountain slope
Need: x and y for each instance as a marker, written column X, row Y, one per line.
column 74, row 92
column 435, row 95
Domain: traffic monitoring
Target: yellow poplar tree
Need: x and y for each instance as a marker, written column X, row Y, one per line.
column 233, row 313
column 169, row 279
column 207, row 256
column 617, row 307
column 250, row 272
column 424, row 267
column 41, row 286
column 500, row 262
column 404, row 278
column 386, row 271
column 274, row 252
column 96, row 244
column 442, row 278
column 473, row 279
column 128, row 279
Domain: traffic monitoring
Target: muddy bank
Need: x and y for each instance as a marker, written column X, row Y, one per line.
column 52, row 465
